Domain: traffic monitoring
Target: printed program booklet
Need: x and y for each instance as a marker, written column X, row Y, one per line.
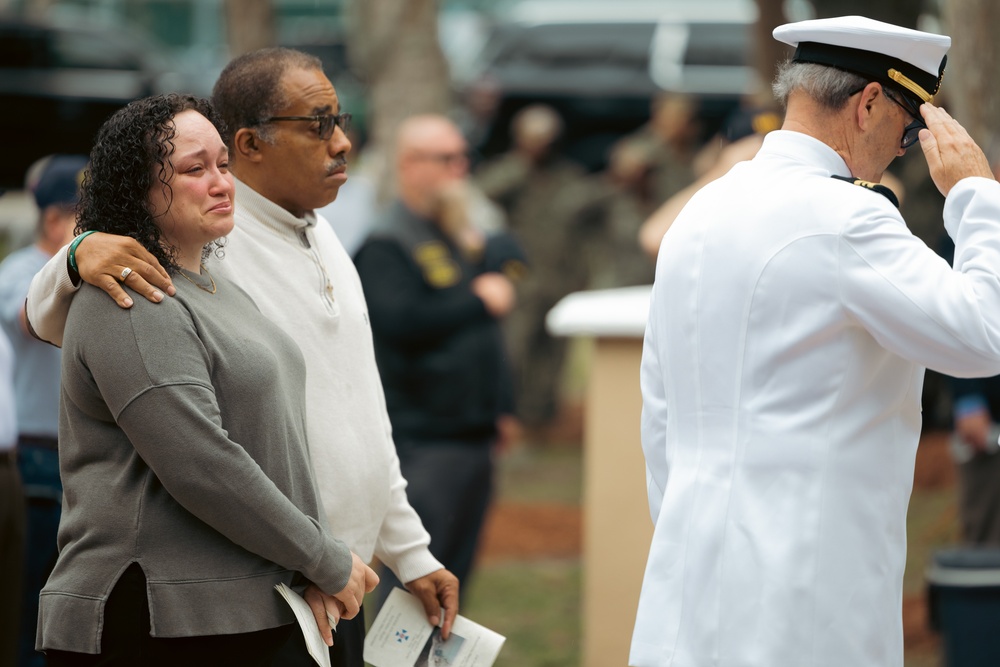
column 401, row 636
column 307, row 622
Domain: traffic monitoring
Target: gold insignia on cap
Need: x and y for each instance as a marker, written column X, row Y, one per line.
column 910, row 84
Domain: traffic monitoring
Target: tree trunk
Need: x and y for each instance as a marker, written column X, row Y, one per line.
column 971, row 78
column 768, row 52
column 395, row 44
column 249, row 26
column 899, row 12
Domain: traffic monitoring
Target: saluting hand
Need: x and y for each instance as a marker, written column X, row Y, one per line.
column 951, row 153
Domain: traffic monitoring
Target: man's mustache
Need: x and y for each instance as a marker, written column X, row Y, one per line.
column 337, row 163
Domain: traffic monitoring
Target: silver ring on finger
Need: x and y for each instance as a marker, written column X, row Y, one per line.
column 125, row 273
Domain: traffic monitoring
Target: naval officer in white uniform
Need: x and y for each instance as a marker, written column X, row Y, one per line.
column 792, row 317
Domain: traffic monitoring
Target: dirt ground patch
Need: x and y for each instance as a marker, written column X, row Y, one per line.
column 934, row 471
column 516, row 531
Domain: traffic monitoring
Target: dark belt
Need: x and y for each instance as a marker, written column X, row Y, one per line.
column 42, row 441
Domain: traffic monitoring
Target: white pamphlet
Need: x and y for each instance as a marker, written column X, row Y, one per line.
column 307, row 622
column 401, row 636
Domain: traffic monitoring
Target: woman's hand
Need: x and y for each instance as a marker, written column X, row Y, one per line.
column 327, row 609
column 363, row 580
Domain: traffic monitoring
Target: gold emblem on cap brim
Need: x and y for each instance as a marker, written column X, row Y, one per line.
column 910, row 84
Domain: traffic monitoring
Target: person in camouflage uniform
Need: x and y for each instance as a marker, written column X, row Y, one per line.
column 671, row 140
column 623, row 198
column 540, row 192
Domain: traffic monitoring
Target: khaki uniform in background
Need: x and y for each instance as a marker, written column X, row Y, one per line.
column 615, row 258
column 670, row 170
column 543, row 202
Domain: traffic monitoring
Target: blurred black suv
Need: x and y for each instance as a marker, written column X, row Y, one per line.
column 601, row 63
column 58, row 84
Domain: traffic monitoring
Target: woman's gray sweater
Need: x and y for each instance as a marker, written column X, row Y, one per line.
column 183, row 448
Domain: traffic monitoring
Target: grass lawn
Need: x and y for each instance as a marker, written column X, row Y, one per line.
column 533, row 599
column 536, row 605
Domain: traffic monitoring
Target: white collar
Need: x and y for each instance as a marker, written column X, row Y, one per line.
column 264, row 210
column 805, row 149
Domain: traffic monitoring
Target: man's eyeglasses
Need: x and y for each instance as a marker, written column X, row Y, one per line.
column 444, row 159
column 911, row 133
column 327, row 122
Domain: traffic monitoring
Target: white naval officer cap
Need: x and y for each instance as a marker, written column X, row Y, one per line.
column 910, row 61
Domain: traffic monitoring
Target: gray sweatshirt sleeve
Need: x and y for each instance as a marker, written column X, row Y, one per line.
column 177, row 431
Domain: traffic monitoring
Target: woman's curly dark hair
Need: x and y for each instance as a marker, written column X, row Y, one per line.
column 131, row 153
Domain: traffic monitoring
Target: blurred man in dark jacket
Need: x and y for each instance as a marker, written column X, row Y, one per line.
column 436, row 288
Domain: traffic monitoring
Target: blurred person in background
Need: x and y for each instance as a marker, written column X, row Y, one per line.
column 54, row 182
column 623, row 200
column 288, row 153
column 11, row 511
column 974, row 446
column 437, row 288
column 974, row 441
column 188, row 484
column 741, row 137
column 671, row 136
column 541, row 194
column 790, row 322
column 477, row 115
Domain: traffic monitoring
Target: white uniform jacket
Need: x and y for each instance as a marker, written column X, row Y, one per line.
column 791, row 320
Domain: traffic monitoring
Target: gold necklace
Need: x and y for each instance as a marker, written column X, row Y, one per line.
column 201, row 287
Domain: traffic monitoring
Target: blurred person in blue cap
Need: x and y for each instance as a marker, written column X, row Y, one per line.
column 54, row 181
column 792, row 317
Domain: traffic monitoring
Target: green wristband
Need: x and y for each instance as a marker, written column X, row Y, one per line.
column 72, row 249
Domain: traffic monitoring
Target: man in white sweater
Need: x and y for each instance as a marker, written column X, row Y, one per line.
column 288, row 149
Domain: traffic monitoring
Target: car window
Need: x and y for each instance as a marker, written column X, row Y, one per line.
column 703, row 58
column 576, row 45
column 91, row 50
column 717, row 44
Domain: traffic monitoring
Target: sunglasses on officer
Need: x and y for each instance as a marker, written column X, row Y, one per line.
column 911, row 133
